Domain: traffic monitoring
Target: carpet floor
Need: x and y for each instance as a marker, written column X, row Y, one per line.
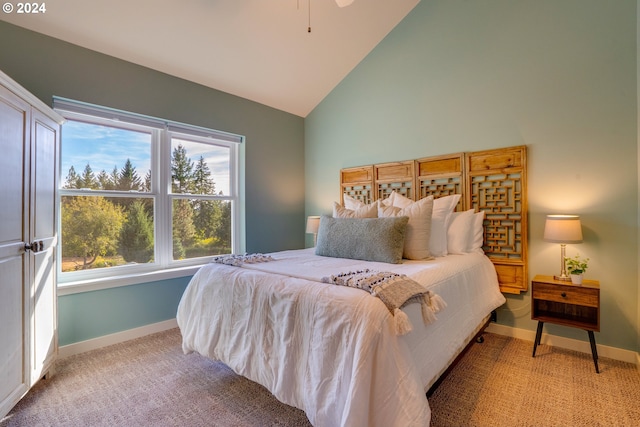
column 150, row 382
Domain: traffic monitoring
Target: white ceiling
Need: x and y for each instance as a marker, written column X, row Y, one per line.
column 256, row 49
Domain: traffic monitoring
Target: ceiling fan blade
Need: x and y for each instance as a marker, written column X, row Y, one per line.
column 344, row 3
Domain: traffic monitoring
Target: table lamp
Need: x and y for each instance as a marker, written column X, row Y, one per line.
column 563, row 229
column 313, row 223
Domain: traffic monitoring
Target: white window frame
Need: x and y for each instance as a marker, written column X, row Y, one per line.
column 162, row 131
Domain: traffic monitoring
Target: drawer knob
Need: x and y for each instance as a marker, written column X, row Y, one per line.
column 563, row 295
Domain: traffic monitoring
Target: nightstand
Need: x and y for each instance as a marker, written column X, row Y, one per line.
column 563, row 303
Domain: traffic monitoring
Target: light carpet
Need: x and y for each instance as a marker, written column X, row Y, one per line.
column 150, row 382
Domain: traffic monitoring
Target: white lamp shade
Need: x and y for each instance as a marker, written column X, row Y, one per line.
column 343, row 3
column 563, row 229
column 313, row 223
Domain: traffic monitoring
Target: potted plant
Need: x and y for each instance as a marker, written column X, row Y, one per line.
column 576, row 267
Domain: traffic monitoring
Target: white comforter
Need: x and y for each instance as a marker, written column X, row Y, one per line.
column 328, row 350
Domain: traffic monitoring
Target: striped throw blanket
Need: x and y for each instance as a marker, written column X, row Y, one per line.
column 395, row 291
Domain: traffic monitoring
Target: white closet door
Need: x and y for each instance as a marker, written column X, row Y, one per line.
column 14, row 303
column 44, row 149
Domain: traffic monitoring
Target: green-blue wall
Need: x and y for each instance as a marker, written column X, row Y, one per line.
column 89, row 315
column 455, row 75
column 274, row 162
column 558, row 76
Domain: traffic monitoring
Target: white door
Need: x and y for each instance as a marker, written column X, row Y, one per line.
column 14, row 301
column 44, row 134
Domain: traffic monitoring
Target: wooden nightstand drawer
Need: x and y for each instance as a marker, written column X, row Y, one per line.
column 566, row 294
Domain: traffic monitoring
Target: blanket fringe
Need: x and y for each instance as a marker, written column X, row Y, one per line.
column 431, row 304
column 436, row 302
column 402, row 323
column 428, row 314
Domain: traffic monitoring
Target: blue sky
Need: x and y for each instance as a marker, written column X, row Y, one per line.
column 104, row 147
column 216, row 158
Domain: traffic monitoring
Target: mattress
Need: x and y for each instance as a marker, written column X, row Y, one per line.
column 331, row 350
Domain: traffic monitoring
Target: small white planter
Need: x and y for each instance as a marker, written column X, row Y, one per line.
column 576, row 279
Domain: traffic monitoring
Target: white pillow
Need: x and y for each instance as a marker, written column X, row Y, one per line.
column 416, row 242
column 398, row 200
column 466, row 232
column 365, row 211
column 477, row 240
column 351, row 202
column 460, row 232
column 442, row 209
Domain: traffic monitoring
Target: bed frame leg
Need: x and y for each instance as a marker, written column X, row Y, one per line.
column 493, row 318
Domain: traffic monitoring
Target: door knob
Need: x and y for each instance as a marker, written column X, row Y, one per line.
column 35, row 246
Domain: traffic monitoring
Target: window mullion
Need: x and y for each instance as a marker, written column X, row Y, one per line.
column 237, row 203
column 235, row 225
column 162, row 151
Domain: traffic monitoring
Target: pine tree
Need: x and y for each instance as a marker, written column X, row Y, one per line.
column 181, row 170
column 202, row 182
column 136, row 236
column 104, row 181
column 147, row 182
column 206, row 212
column 115, row 176
column 87, row 180
column 146, row 187
column 183, row 229
column 128, row 179
column 223, row 231
column 207, row 217
column 72, row 178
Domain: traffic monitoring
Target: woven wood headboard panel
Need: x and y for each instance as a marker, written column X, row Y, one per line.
column 493, row 181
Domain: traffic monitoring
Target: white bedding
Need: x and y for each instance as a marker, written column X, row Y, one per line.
column 332, row 350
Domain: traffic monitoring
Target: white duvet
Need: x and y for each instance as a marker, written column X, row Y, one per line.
column 332, row 350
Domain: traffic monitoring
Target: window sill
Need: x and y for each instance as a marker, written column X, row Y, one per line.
column 76, row 287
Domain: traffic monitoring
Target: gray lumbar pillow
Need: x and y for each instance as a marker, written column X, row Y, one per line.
column 368, row 239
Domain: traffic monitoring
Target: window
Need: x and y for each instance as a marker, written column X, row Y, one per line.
column 139, row 194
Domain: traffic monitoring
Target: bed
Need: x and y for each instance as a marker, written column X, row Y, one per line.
column 332, row 350
column 337, row 352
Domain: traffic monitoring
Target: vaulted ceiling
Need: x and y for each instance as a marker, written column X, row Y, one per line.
column 256, row 49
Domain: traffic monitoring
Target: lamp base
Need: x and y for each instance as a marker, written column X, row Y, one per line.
column 563, row 276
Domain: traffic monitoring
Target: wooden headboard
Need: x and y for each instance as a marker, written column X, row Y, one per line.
column 493, row 181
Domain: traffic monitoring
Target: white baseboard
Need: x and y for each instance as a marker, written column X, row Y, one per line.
column 567, row 343
column 118, row 337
